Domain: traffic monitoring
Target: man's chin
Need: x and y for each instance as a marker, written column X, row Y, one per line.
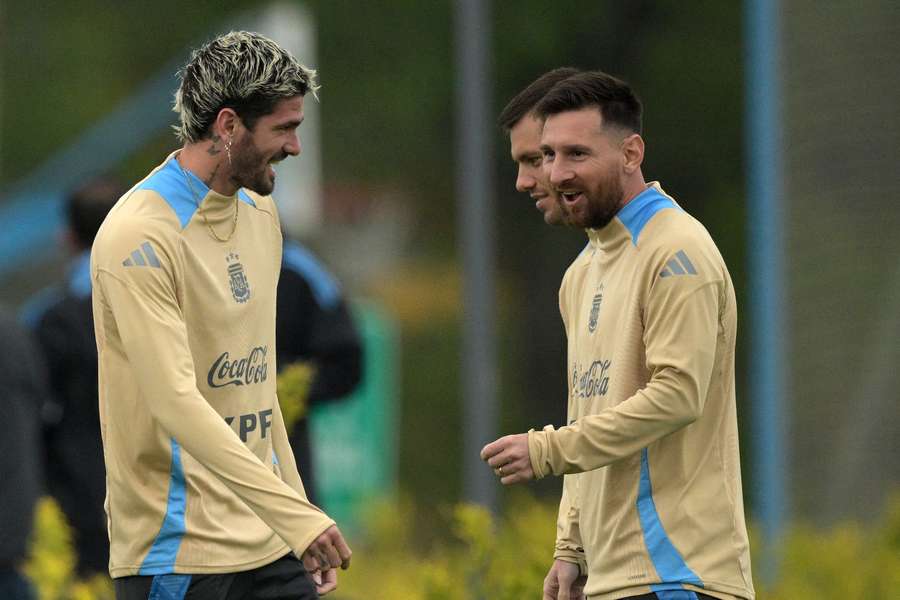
column 261, row 187
column 553, row 219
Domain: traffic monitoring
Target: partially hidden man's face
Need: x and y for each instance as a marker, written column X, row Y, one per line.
column 583, row 161
column 273, row 138
column 525, row 147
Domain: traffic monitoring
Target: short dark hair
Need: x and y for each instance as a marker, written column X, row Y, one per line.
column 88, row 204
column 525, row 101
column 614, row 98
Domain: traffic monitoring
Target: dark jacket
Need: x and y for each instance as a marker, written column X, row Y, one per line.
column 314, row 324
column 21, row 397
column 63, row 325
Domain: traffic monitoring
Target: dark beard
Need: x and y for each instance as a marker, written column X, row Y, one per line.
column 602, row 210
column 599, row 210
column 249, row 169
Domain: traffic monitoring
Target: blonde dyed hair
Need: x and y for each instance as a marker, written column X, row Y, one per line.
column 241, row 70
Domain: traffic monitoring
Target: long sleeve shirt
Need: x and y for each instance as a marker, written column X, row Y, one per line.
column 200, row 474
column 653, row 492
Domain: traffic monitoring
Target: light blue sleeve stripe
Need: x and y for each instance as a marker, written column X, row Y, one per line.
column 637, row 213
column 172, row 586
column 667, row 561
column 302, row 262
column 169, row 182
column 675, row 594
column 161, row 558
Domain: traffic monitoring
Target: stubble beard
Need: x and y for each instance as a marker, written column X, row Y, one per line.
column 603, row 206
column 250, row 169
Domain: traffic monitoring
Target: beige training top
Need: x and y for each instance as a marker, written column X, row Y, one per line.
column 652, row 496
column 200, row 475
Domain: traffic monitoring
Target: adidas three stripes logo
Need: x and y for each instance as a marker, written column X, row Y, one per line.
column 147, row 258
column 679, row 264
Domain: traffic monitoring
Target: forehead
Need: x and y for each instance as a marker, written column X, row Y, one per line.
column 287, row 109
column 573, row 126
column 525, row 136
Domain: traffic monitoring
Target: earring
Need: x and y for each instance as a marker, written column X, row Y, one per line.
column 228, row 149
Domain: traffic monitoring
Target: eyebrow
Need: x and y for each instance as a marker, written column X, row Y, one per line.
column 526, row 155
column 292, row 123
column 566, row 148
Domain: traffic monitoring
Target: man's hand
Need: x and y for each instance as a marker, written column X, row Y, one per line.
column 563, row 582
column 328, row 551
column 509, row 458
column 325, row 581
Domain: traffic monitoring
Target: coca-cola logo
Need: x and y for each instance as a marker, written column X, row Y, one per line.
column 593, row 381
column 239, row 371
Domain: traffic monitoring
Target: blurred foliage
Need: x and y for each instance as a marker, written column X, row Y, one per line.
column 470, row 555
column 294, row 382
column 476, row 556
column 51, row 561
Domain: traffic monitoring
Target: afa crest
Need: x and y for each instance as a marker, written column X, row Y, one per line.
column 595, row 309
column 237, row 279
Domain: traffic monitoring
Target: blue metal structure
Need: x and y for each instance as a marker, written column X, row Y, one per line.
column 765, row 219
column 32, row 210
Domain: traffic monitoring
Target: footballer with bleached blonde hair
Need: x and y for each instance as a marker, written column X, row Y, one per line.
column 204, row 498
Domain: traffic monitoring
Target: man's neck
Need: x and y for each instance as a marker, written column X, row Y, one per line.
column 634, row 187
column 208, row 161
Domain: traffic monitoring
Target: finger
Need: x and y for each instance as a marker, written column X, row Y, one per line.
column 565, row 585
column 328, row 582
column 332, row 557
column 343, row 551
column 518, row 477
column 492, row 449
column 310, row 563
column 500, row 459
column 518, row 474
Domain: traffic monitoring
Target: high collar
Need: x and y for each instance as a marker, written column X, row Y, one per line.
column 214, row 207
column 626, row 225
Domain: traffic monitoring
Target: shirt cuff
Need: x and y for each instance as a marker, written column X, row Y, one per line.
column 573, row 557
column 538, row 452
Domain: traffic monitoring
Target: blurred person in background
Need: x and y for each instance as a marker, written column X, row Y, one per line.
column 204, row 497
column 21, row 400
column 62, row 320
column 651, row 320
column 568, row 573
column 524, row 127
column 314, row 325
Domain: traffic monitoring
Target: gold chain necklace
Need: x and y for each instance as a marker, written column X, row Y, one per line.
column 234, row 220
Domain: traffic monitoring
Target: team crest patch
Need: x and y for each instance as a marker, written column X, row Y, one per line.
column 595, row 309
column 237, row 279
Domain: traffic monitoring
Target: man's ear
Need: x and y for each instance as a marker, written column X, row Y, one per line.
column 633, row 153
column 225, row 124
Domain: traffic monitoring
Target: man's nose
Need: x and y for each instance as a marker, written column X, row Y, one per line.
column 525, row 182
column 558, row 174
column 293, row 146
